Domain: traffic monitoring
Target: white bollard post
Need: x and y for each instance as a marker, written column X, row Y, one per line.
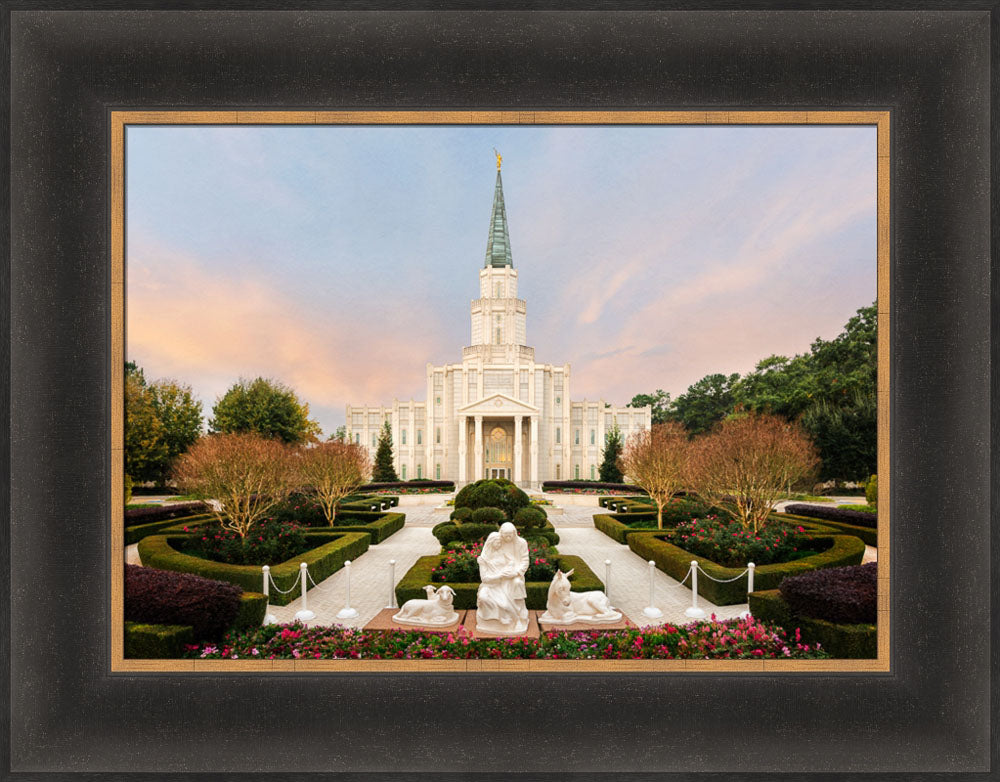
column 651, row 610
column 607, row 578
column 305, row 614
column 347, row 612
column 750, row 570
column 392, row 584
column 269, row 618
column 694, row 612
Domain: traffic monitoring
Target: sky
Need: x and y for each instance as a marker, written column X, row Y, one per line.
column 340, row 260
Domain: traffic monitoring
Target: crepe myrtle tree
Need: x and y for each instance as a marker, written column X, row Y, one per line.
column 241, row 476
column 658, row 459
column 745, row 463
column 333, row 469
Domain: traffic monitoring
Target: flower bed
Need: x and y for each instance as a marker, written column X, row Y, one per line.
column 733, row 639
column 330, row 551
column 675, row 562
column 266, row 544
column 730, row 544
column 416, row 486
column 422, row 573
column 591, row 487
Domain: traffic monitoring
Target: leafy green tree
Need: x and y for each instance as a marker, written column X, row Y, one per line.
column 659, row 401
column 779, row 385
column 146, row 446
column 180, row 414
column 847, row 365
column 266, row 407
column 340, row 435
column 610, row 472
column 845, row 435
column 705, row 403
column 384, row 472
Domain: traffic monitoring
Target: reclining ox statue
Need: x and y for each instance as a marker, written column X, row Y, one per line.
column 566, row 607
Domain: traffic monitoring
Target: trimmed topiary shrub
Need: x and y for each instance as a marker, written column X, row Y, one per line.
column 493, row 492
column 156, row 642
column 855, row 517
column 529, row 518
column 467, row 532
column 488, row 516
column 867, row 534
column 845, row 594
column 871, row 490
column 461, row 514
column 161, row 597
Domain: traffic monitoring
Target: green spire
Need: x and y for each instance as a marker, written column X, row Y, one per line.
column 498, row 245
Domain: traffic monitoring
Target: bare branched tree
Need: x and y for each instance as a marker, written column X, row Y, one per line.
column 333, row 469
column 242, row 476
column 744, row 465
column 658, row 460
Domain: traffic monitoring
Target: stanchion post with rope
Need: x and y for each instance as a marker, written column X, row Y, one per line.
column 347, row 612
column 651, row 610
column 607, row 578
column 392, row 584
column 694, row 612
column 269, row 618
column 305, row 614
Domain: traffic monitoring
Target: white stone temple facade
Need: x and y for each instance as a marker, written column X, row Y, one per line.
column 497, row 412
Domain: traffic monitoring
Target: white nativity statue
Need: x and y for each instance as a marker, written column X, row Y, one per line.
column 501, row 607
column 565, row 607
column 435, row 610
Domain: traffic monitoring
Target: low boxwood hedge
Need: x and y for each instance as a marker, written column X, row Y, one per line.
column 156, row 642
column 140, row 531
column 867, row 534
column 605, row 501
column 675, row 562
column 417, row 577
column 162, row 512
column 422, row 483
column 151, row 642
column 378, row 526
column 857, row 641
column 616, row 525
column 856, row 518
column 331, row 551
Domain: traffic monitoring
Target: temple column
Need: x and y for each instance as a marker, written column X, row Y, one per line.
column 517, row 448
column 462, row 426
column 478, row 450
column 533, row 465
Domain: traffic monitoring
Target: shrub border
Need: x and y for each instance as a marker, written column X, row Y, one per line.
column 610, row 525
column 156, row 642
column 325, row 559
column 675, row 562
column 867, row 534
column 412, row 584
column 851, row 641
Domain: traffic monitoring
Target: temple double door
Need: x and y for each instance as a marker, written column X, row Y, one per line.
column 498, row 453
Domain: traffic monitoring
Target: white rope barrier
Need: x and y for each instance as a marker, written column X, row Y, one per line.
column 651, row 610
column 694, row 612
column 269, row 618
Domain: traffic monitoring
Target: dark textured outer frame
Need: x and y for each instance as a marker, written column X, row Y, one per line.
column 66, row 714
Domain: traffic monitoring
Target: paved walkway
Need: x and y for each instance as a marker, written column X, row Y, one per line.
column 628, row 587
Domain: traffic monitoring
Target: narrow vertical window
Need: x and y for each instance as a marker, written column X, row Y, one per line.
column 437, row 435
column 577, row 471
column 357, row 438
column 592, row 436
column 437, row 472
column 402, row 436
column 576, row 437
column 403, row 472
column 558, row 435
column 420, row 436
column 420, row 471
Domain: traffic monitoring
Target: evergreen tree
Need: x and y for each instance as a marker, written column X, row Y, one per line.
column 610, row 472
column 384, row 472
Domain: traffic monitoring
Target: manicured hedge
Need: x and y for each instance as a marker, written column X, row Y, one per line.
column 417, row 577
column 616, row 525
column 594, row 485
column 253, row 608
column 855, row 641
column 156, row 642
column 605, row 502
column 140, row 531
column 332, row 549
column 447, row 532
column 152, row 596
column 854, row 517
column 379, row 526
column 162, row 512
column 867, row 534
column 675, row 562
column 365, row 504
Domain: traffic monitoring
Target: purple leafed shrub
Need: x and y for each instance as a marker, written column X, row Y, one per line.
column 840, row 594
column 856, row 517
column 165, row 598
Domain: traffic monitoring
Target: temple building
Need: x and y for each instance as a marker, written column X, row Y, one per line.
column 497, row 412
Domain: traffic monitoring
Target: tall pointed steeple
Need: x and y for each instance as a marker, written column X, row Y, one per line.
column 498, row 244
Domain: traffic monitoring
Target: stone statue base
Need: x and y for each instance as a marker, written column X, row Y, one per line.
column 611, row 617
column 384, row 620
column 483, row 630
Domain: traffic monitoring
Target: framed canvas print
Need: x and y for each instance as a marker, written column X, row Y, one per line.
column 278, row 282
